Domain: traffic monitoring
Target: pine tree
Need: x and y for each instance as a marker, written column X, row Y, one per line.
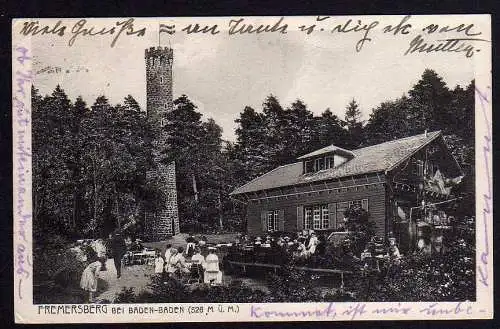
column 354, row 124
column 433, row 99
column 131, row 104
column 101, row 103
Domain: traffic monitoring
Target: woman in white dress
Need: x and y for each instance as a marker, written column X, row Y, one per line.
column 212, row 272
column 170, row 267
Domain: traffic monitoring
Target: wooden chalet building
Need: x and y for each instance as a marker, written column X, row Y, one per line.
column 392, row 181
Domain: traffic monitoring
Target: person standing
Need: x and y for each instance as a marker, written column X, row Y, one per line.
column 159, row 263
column 212, row 272
column 118, row 249
column 170, row 263
column 168, row 253
column 88, row 281
column 198, row 257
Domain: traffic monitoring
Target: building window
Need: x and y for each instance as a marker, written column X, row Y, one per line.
column 316, row 217
column 341, row 207
column 308, row 214
column 161, row 79
column 272, row 220
column 308, row 167
column 325, row 216
column 420, row 168
column 363, row 204
column 329, row 162
column 319, row 164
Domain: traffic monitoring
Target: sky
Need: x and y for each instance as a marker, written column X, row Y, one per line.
column 222, row 74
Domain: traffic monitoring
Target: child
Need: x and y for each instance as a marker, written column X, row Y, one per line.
column 88, row 281
column 159, row 263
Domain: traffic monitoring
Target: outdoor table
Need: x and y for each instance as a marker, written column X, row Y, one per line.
column 141, row 257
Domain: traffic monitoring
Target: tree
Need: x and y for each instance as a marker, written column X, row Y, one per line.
column 297, row 131
column 196, row 147
column 250, row 137
column 274, row 123
column 388, row 121
column 101, row 103
column 328, row 130
column 433, row 96
column 131, row 104
column 354, row 123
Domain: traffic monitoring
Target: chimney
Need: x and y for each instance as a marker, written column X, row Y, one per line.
column 425, row 132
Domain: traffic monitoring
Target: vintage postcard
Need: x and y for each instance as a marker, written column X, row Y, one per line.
column 252, row 168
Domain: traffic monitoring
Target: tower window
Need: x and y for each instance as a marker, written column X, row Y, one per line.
column 161, row 79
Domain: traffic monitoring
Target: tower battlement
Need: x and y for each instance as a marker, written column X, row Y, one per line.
column 159, row 52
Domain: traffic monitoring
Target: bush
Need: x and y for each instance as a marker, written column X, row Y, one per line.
column 443, row 277
column 173, row 291
column 361, row 228
column 57, row 273
column 294, row 286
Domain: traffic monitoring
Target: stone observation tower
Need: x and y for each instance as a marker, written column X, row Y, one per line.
column 162, row 222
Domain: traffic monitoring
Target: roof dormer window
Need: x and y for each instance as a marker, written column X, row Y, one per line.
column 319, row 164
column 329, row 162
column 308, row 166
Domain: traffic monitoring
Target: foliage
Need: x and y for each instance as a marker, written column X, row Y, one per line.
column 449, row 276
column 204, row 178
column 294, row 286
column 360, row 227
column 162, row 290
column 88, row 165
column 57, row 274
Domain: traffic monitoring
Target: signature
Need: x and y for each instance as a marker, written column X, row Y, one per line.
column 487, row 196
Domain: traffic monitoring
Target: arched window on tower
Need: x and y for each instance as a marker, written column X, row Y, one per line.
column 161, row 79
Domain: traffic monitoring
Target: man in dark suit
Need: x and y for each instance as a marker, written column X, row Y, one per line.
column 118, row 249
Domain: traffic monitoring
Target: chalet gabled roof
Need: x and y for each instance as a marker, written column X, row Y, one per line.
column 376, row 158
column 328, row 149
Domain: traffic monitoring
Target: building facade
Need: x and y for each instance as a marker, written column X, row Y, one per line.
column 393, row 181
column 161, row 221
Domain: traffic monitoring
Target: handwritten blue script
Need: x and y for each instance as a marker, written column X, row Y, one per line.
column 22, row 115
column 487, row 194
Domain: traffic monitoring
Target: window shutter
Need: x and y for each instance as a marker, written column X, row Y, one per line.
column 332, row 216
column 300, row 218
column 263, row 218
column 281, row 220
column 364, row 204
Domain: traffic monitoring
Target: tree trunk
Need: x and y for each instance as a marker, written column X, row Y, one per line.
column 195, row 189
column 220, row 212
column 118, row 222
column 94, row 176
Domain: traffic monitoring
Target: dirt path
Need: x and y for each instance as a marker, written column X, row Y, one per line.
column 135, row 276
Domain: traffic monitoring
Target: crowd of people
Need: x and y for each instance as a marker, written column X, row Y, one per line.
column 311, row 249
column 303, row 244
column 197, row 260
